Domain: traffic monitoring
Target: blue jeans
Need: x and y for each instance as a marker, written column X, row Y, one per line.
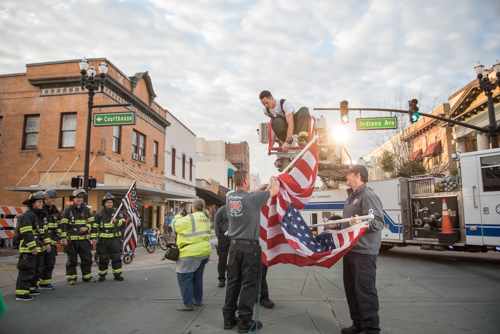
column 191, row 285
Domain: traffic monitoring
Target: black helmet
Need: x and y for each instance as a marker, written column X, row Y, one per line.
column 50, row 193
column 78, row 193
column 107, row 197
column 33, row 198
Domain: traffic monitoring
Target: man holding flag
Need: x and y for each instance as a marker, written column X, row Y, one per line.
column 130, row 203
column 360, row 263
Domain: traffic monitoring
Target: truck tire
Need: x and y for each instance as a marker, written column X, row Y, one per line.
column 385, row 247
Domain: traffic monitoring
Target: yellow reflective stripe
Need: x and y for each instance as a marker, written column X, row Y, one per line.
column 22, row 292
column 90, row 219
column 303, row 133
column 117, row 271
column 103, row 272
column 64, row 221
column 87, row 276
column 31, row 244
column 25, row 229
column 71, row 276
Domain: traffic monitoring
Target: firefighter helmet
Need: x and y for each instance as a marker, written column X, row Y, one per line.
column 33, row 198
column 78, row 193
column 50, row 193
column 107, row 197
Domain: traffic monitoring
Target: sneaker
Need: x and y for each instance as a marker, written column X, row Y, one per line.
column 90, row 280
column 72, row 282
column 245, row 326
column 222, row 284
column 184, row 308
column 267, row 303
column 302, row 140
column 35, row 292
column 102, row 278
column 230, row 324
column 119, row 278
column 24, row 298
column 47, row 287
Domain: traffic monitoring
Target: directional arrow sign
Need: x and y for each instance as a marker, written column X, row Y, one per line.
column 114, row 118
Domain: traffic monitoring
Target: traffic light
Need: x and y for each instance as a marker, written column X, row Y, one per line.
column 76, row 182
column 413, row 110
column 344, row 112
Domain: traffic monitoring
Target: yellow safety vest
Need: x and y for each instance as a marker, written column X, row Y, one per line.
column 193, row 235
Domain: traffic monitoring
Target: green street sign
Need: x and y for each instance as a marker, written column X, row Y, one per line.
column 114, row 118
column 376, row 123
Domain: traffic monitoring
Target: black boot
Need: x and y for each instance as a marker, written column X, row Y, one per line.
column 119, row 278
column 102, row 278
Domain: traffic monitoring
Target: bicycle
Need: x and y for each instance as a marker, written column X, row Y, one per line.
column 149, row 241
column 161, row 242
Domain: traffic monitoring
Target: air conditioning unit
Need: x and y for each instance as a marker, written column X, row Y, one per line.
column 143, row 158
column 135, row 156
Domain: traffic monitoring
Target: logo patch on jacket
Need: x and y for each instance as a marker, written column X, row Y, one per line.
column 355, row 201
column 235, row 206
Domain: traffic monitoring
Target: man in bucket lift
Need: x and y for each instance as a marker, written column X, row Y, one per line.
column 286, row 121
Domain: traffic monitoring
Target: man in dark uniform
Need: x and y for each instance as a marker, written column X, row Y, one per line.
column 221, row 225
column 243, row 270
column 52, row 231
column 31, row 248
column 360, row 263
column 107, row 229
column 78, row 220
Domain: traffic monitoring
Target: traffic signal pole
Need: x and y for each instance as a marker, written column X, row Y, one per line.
column 487, row 131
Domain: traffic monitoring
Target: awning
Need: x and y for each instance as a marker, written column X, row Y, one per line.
column 230, row 172
column 417, row 155
column 210, row 197
column 433, row 149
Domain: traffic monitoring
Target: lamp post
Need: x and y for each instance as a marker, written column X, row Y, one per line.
column 486, row 86
column 89, row 83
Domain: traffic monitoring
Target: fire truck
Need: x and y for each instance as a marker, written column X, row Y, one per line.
column 413, row 206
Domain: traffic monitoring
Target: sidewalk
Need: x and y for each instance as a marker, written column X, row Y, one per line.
column 429, row 293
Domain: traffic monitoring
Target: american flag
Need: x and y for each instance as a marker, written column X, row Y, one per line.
column 285, row 236
column 130, row 203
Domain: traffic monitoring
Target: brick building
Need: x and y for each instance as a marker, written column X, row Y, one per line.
column 239, row 155
column 43, row 114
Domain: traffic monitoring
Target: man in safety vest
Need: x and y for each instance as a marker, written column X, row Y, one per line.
column 31, row 248
column 193, row 235
column 52, row 231
column 77, row 220
column 106, row 229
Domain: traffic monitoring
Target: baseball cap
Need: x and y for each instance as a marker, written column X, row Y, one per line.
column 357, row 169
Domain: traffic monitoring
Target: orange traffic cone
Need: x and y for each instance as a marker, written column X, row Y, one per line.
column 446, row 224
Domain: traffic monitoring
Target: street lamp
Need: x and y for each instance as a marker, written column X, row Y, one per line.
column 89, row 83
column 487, row 86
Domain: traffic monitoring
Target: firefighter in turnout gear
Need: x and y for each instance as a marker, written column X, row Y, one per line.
column 77, row 221
column 107, row 230
column 53, row 232
column 32, row 248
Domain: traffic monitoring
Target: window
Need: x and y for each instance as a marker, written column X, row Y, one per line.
column 142, row 145
column 490, row 170
column 30, row 139
column 190, row 169
column 139, row 143
column 117, row 130
column 68, row 130
column 134, row 141
column 173, row 161
column 183, row 166
column 155, row 154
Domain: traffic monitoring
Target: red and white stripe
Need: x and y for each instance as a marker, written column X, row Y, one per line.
column 297, row 187
column 12, row 210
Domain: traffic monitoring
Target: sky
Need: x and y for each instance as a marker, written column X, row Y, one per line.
column 210, row 59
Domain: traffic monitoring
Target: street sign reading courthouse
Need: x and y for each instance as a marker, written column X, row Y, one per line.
column 376, row 123
column 114, row 118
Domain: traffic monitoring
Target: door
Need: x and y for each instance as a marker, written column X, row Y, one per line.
column 470, row 174
column 489, row 193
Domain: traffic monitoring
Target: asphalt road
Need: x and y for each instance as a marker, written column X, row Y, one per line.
column 420, row 292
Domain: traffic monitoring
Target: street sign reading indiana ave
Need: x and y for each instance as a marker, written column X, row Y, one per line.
column 376, row 123
column 115, row 118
